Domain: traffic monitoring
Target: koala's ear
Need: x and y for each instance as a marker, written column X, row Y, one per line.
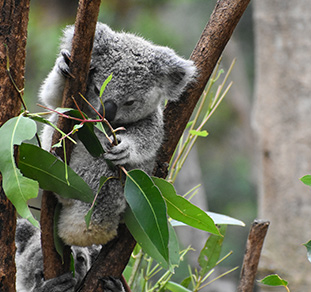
column 177, row 73
column 24, row 231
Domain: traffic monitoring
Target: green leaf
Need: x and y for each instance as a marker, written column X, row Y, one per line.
column 173, row 247
column 186, row 282
column 199, row 133
column 102, row 89
column 221, row 219
column 308, row 246
column 149, row 209
column 87, row 135
column 49, row 171
column 189, row 124
column 17, row 188
column 273, row 280
column 40, row 119
column 143, row 239
column 182, row 210
column 210, row 253
column 88, row 216
column 306, row 180
column 174, row 287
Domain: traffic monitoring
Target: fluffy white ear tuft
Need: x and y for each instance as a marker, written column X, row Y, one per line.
column 177, row 73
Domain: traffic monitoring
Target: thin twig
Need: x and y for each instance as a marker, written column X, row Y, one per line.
column 254, row 244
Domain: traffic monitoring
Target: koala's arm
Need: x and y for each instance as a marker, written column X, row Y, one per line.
column 139, row 143
column 64, row 283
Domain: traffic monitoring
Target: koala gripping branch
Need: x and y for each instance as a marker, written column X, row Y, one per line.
column 79, row 67
column 209, row 48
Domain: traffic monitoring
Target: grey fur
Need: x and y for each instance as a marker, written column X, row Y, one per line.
column 29, row 263
column 144, row 76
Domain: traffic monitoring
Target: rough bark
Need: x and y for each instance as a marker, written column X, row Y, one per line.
column 79, row 67
column 282, row 116
column 205, row 55
column 254, row 244
column 13, row 34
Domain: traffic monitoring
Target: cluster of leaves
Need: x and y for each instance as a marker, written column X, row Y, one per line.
column 141, row 269
column 154, row 205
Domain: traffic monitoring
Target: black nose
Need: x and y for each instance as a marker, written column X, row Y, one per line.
column 110, row 110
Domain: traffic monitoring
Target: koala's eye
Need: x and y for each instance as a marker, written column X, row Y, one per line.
column 80, row 258
column 96, row 90
column 130, row 102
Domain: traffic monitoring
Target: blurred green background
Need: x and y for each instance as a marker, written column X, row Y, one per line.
column 226, row 156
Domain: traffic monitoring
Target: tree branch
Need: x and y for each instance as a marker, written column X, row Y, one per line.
column 82, row 45
column 13, row 37
column 213, row 40
column 254, row 244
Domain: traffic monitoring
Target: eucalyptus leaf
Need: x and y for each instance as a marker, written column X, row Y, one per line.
column 103, row 87
column 174, row 287
column 199, row 133
column 182, row 210
column 143, row 239
column 149, row 209
column 42, row 120
column 87, row 135
column 308, row 246
column 221, row 219
column 210, row 253
column 40, row 165
column 17, row 188
column 273, row 280
column 173, row 247
column 306, row 180
column 88, row 216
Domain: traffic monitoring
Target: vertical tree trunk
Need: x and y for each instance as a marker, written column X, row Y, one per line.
column 82, row 45
column 283, row 118
column 13, row 36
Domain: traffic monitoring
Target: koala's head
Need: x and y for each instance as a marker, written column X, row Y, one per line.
column 83, row 259
column 144, row 75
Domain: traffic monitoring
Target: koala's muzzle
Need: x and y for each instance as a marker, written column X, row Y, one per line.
column 110, row 110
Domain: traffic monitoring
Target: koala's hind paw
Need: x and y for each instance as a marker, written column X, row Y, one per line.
column 111, row 284
column 63, row 63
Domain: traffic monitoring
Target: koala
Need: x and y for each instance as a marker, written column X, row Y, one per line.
column 144, row 77
column 29, row 264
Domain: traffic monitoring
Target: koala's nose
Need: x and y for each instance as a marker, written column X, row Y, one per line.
column 110, row 110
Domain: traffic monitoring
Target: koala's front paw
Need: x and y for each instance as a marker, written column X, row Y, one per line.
column 111, row 284
column 63, row 63
column 119, row 154
column 63, row 283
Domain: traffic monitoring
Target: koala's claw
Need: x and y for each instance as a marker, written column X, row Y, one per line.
column 64, row 62
column 111, row 284
column 119, row 154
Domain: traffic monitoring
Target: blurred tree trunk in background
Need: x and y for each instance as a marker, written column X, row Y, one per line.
column 282, row 114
